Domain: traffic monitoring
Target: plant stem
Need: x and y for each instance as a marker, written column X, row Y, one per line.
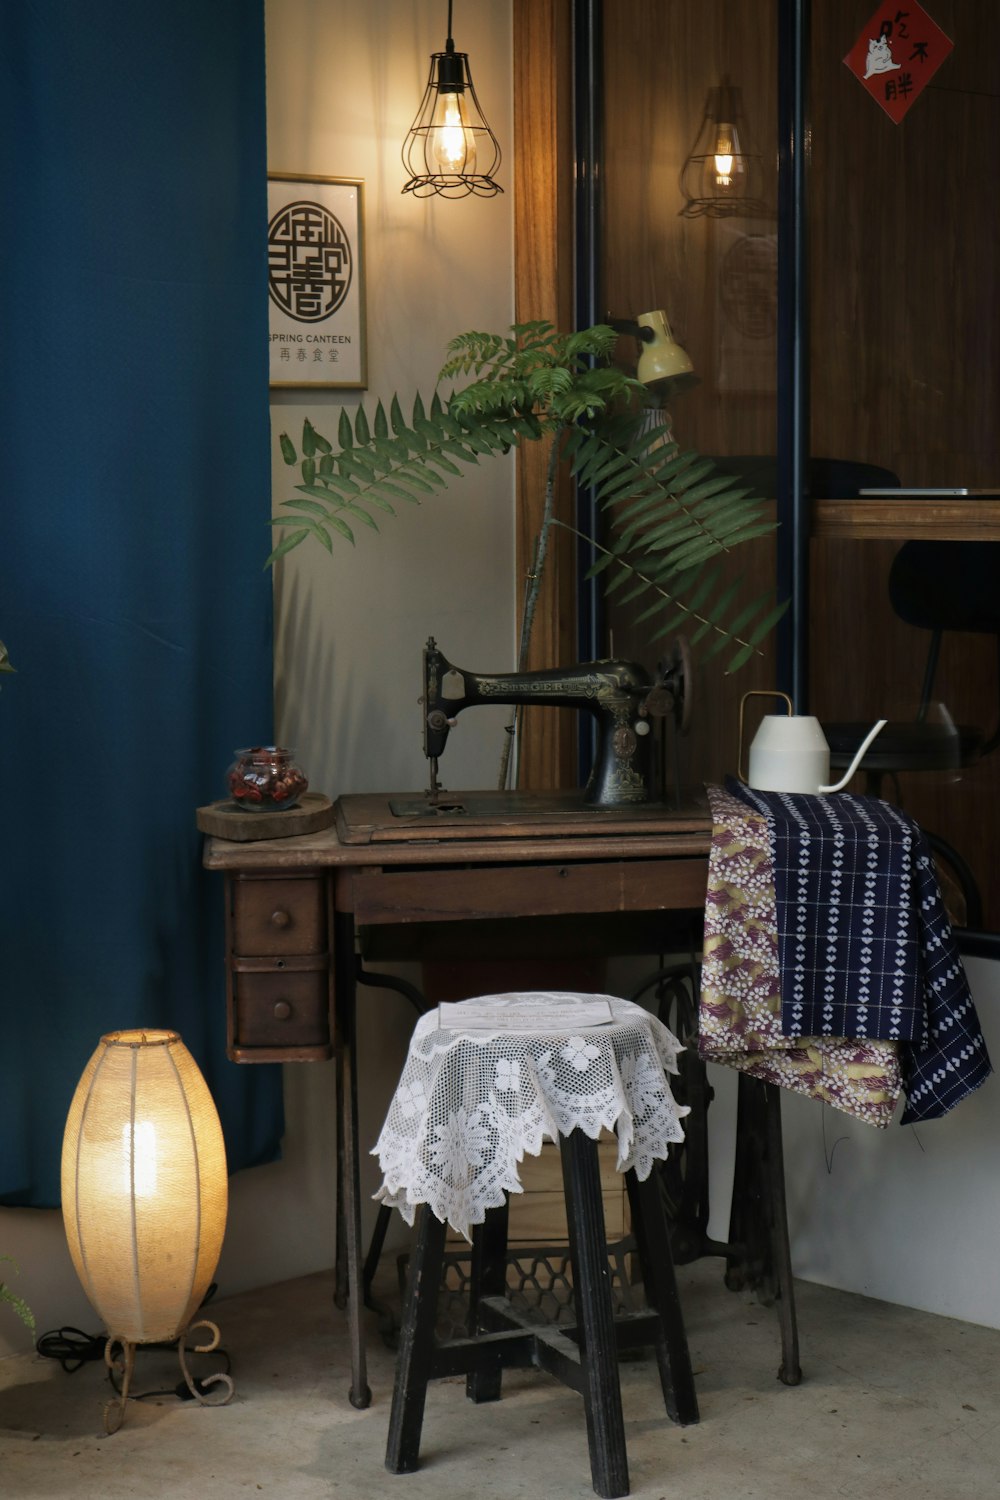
column 534, row 583
column 664, row 593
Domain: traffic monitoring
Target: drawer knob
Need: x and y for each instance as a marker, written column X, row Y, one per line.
column 282, row 1010
column 280, row 918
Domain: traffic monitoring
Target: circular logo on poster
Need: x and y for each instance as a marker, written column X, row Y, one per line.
column 309, row 261
column 749, row 285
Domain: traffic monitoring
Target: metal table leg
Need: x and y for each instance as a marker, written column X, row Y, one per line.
column 759, row 1254
column 349, row 1174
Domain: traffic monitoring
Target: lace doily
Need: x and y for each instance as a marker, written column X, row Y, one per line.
column 470, row 1103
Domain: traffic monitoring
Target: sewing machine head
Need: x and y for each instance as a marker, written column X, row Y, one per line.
column 620, row 694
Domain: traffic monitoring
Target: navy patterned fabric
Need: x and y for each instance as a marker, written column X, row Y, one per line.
column 865, row 948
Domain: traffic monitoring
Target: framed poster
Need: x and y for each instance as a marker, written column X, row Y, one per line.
column 747, row 308
column 315, row 281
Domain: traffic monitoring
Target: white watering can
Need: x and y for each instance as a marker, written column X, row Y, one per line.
column 789, row 752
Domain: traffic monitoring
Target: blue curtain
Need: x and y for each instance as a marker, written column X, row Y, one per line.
column 134, row 481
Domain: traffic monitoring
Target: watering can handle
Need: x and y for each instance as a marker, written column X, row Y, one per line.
column 757, row 693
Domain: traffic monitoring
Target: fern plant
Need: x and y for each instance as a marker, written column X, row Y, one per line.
column 671, row 517
column 17, row 1303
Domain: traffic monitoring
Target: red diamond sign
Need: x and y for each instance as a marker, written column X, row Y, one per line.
column 897, row 54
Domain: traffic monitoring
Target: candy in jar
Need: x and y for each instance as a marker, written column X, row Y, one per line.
column 265, row 778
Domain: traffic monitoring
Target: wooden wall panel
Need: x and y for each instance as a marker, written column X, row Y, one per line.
column 906, row 373
column 543, row 286
column 660, row 63
column 903, row 236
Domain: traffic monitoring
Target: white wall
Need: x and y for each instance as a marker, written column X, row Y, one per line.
column 343, row 87
column 910, row 1214
column 344, row 82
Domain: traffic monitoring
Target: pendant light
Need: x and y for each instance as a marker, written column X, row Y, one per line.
column 145, row 1195
column 721, row 176
column 450, row 149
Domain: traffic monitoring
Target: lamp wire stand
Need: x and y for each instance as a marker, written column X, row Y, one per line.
column 122, row 1365
column 119, row 1357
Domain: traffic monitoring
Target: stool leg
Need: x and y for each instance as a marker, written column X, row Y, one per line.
column 488, row 1278
column 649, row 1226
column 592, row 1295
column 416, row 1345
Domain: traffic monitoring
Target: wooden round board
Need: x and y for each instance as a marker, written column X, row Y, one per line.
column 225, row 820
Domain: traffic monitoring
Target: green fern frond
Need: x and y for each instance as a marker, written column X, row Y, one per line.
column 17, row 1303
column 670, row 514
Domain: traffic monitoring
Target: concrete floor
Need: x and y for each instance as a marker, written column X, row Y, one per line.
column 894, row 1402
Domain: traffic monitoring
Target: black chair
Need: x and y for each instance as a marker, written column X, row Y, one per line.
column 938, row 587
column 826, row 478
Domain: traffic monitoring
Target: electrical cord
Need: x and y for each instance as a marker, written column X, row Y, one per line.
column 73, row 1348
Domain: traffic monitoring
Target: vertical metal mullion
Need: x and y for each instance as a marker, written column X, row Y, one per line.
column 793, row 349
column 588, row 120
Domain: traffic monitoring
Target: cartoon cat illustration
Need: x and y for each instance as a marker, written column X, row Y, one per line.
column 879, row 59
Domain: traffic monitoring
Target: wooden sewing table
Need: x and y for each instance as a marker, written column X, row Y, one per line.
column 511, row 872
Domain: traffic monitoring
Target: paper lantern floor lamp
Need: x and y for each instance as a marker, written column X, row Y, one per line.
column 144, row 1196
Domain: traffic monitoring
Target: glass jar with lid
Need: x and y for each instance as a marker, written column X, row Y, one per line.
column 265, row 778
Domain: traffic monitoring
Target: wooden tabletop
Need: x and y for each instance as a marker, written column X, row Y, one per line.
column 628, row 834
column 947, row 518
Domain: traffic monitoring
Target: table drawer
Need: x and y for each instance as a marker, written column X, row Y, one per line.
column 278, row 915
column 278, row 1011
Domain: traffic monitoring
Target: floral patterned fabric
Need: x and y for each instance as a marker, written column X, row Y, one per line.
column 740, row 1007
column 865, row 949
column 470, row 1103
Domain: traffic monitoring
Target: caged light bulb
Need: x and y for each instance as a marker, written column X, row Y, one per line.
column 444, row 147
column 453, row 143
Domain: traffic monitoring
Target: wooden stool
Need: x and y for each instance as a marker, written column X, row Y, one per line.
column 582, row 1356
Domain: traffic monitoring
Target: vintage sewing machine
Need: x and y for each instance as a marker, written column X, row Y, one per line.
column 621, row 696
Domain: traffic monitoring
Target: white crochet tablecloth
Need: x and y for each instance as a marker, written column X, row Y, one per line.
column 473, row 1098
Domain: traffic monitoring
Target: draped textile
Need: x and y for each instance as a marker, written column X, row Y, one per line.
column 865, row 950
column 135, row 492
column 740, row 1004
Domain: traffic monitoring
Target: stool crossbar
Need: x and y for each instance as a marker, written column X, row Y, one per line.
column 484, row 1083
column 583, row 1356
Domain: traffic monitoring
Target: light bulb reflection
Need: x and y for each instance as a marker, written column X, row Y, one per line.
column 139, row 1153
column 725, row 155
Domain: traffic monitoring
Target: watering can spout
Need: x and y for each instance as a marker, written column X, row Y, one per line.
column 862, row 748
